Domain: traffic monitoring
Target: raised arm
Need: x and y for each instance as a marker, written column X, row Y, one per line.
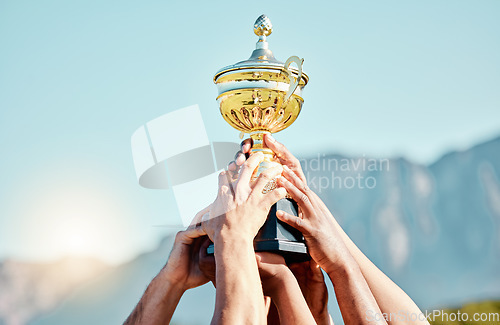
column 234, row 220
column 313, row 287
column 280, row 284
column 328, row 250
column 180, row 273
column 390, row 298
column 308, row 274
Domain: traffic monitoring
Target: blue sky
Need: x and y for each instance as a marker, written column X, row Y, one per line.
column 387, row 78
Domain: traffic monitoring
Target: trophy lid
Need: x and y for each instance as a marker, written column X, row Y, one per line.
column 262, row 57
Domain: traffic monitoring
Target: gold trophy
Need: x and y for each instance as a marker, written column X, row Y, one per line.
column 263, row 95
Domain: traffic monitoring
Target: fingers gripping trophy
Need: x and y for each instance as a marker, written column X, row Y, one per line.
column 258, row 96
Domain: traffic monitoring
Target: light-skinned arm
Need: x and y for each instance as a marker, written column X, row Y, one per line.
column 308, row 274
column 235, row 217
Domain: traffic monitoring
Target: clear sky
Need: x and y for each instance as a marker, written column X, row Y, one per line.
column 387, row 78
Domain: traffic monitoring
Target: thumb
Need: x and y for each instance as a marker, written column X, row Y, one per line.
column 194, row 232
column 295, row 222
column 258, row 259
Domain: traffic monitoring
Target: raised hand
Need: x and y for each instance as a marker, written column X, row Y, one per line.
column 279, row 283
column 234, row 219
column 284, row 156
column 313, row 287
column 308, row 274
column 182, row 272
column 182, row 267
column 325, row 241
column 272, row 269
column 241, row 208
column 315, row 222
column 319, row 228
column 207, row 262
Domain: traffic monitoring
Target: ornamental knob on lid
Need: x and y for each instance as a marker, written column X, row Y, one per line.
column 262, row 94
column 262, row 56
column 263, row 26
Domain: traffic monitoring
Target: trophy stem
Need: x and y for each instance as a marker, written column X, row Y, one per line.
column 270, row 159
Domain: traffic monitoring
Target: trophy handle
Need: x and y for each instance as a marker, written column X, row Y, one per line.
column 293, row 85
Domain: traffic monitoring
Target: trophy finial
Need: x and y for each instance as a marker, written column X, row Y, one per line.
column 263, row 26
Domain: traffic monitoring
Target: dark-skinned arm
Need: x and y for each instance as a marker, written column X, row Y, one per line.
column 180, row 273
column 280, row 284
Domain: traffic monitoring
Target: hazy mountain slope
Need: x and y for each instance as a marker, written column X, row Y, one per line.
column 433, row 229
column 111, row 297
column 30, row 289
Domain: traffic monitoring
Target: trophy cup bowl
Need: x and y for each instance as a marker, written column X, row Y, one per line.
column 263, row 95
column 261, row 109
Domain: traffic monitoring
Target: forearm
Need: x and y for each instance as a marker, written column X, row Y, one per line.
column 354, row 297
column 290, row 302
column 390, row 297
column 239, row 298
column 158, row 303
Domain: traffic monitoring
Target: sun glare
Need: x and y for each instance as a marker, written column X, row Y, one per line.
column 79, row 223
column 77, row 240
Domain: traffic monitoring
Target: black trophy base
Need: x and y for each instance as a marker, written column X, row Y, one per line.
column 278, row 237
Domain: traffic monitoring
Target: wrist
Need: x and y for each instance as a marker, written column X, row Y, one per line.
column 341, row 261
column 344, row 272
column 322, row 316
column 230, row 246
column 230, row 237
column 172, row 284
column 274, row 286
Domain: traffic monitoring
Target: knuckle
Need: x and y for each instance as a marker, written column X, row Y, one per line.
column 224, row 189
column 294, row 162
column 178, row 236
column 252, row 199
column 279, row 192
column 265, row 176
column 247, row 164
column 240, row 196
column 304, row 198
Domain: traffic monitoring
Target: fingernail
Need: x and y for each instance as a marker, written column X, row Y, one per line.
column 240, row 159
column 270, row 137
